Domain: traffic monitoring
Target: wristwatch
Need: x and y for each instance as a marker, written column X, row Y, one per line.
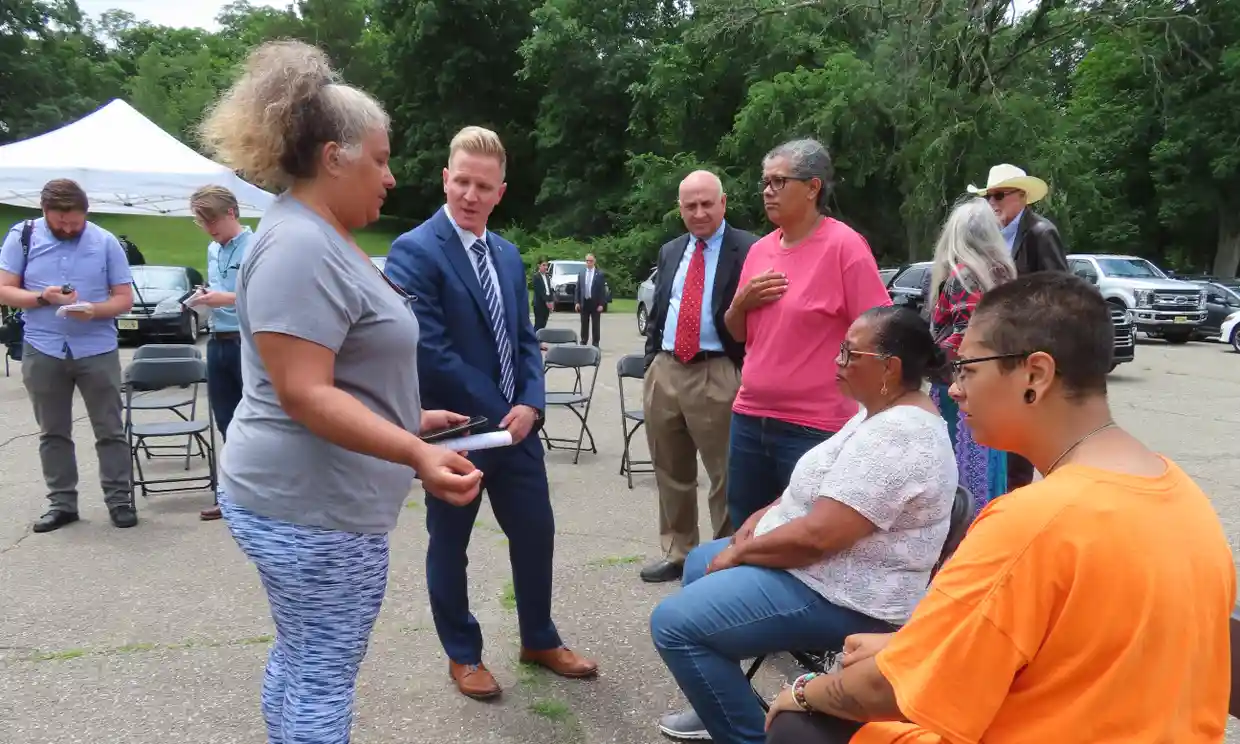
column 41, row 302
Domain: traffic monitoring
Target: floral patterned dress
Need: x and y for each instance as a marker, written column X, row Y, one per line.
column 982, row 470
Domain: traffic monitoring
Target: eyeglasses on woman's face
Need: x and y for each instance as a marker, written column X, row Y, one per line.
column 960, row 366
column 777, row 183
column 847, row 353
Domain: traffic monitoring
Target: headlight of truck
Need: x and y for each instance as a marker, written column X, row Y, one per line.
column 1144, row 297
column 168, row 307
column 1201, row 301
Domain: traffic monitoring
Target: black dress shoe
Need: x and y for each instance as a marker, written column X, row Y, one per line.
column 54, row 520
column 665, row 570
column 123, row 515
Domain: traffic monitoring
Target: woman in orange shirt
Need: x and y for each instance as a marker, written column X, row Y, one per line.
column 1089, row 607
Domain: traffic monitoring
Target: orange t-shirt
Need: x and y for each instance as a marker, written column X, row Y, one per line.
column 1087, row 607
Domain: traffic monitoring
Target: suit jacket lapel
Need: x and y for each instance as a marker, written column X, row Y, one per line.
column 723, row 270
column 1018, row 242
column 459, row 260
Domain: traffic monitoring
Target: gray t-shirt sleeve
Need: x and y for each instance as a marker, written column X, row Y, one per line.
column 295, row 284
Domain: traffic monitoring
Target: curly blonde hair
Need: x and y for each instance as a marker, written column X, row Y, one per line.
column 288, row 103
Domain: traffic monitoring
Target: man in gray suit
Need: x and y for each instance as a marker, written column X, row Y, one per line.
column 693, row 368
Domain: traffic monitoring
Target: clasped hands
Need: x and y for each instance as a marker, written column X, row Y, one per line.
column 450, row 475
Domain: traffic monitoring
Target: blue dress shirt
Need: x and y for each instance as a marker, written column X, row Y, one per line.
column 710, row 335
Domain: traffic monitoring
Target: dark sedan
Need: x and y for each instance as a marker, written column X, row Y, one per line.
column 907, row 286
column 1222, row 299
column 158, row 312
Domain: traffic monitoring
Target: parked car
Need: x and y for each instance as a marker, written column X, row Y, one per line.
column 1222, row 299
column 564, row 283
column 645, row 299
column 1161, row 307
column 158, row 312
column 887, row 275
column 905, row 286
column 1230, row 332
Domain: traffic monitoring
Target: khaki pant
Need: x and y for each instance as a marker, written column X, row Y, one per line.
column 688, row 410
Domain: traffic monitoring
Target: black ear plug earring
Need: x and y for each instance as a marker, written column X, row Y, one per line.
column 1030, row 396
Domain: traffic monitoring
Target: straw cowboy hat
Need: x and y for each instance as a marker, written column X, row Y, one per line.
column 1010, row 177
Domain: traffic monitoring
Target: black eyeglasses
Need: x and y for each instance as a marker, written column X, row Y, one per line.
column 777, row 183
column 959, row 364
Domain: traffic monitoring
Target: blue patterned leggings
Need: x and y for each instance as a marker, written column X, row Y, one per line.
column 325, row 588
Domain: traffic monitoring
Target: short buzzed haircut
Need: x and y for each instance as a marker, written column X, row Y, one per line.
column 213, row 202
column 479, row 141
column 1056, row 313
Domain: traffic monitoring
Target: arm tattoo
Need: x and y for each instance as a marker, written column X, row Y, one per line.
column 839, row 702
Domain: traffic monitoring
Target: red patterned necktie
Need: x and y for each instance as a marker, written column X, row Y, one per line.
column 689, row 320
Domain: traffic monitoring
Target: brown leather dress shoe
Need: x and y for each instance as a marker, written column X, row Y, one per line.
column 562, row 661
column 473, row 680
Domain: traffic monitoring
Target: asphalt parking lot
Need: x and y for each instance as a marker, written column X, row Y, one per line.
column 159, row 633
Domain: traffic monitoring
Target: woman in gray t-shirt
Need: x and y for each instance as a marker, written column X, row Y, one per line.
column 323, row 448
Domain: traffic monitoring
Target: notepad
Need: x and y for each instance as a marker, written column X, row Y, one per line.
column 472, row 442
column 64, row 310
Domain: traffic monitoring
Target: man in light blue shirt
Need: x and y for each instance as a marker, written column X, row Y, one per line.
column 216, row 211
column 77, row 267
column 692, row 369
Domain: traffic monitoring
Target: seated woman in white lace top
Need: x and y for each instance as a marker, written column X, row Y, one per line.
column 848, row 548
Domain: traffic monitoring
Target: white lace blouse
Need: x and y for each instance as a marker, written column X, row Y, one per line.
column 897, row 470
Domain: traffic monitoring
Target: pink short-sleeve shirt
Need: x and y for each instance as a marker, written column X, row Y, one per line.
column 792, row 344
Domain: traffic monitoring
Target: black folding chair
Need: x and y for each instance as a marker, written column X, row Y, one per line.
column 173, row 400
column 575, row 357
column 822, row 661
column 156, row 375
column 556, row 337
column 632, row 367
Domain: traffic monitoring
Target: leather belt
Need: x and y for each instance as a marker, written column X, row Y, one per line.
column 701, row 356
column 226, row 336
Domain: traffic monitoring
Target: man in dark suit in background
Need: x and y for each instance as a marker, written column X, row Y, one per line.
column 478, row 355
column 1035, row 245
column 591, row 298
column 542, row 295
column 693, row 369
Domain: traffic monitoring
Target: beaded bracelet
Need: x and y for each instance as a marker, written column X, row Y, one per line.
column 798, row 691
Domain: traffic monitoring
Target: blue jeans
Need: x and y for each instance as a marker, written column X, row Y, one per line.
column 706, row 629
column 224, row 380
column 761, row 455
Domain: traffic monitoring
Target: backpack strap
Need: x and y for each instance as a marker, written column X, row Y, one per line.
column 27, row 232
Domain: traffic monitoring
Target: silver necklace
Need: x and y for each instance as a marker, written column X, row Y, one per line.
column 1078, row 443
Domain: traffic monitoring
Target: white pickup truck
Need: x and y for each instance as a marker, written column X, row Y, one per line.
column 1160, row 306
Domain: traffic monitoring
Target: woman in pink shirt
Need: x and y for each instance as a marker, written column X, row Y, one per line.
column 802, row 286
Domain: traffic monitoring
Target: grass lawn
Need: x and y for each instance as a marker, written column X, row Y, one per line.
column 177, row 241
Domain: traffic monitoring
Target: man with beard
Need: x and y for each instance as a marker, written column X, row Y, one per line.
column 62, row 260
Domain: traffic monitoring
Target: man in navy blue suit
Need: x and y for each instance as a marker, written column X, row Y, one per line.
column 478, row 355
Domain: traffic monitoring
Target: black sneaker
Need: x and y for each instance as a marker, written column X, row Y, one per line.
column 123, row 515
column 54, row 520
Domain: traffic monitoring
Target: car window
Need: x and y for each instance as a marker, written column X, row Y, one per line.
column 567, row 268
column 160, row 277
column 911, row 278
column 1130, row 268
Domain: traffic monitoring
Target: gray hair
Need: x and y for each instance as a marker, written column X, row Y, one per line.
column 808, row 159
column 972, row 245
column 273, row 122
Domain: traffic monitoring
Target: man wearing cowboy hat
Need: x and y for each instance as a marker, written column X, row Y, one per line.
column 1033, row 240
column 1035, row 245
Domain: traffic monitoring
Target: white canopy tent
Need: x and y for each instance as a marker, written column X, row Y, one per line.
column 126, row 164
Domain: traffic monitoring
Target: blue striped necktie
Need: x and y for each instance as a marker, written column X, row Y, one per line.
column 495, row 309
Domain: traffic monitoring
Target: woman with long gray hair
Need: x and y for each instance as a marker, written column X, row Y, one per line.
column 970, row 259
column 323, row 447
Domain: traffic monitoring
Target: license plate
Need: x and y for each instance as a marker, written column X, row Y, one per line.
column 127, row 325
column 1181, row 318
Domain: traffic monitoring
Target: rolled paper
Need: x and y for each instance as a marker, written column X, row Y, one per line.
column 472, row 442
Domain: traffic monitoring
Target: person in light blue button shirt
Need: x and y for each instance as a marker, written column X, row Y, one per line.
column 692, row 369
column 72, row 263
column 216, row 211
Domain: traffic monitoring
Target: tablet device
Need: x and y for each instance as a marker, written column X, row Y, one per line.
column 454, row 431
